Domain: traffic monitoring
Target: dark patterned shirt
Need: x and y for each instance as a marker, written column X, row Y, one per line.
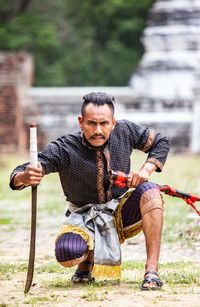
column 84, row 169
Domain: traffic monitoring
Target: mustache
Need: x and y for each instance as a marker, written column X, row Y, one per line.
column 97, row 135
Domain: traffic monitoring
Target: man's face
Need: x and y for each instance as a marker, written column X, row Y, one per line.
column 97, row 123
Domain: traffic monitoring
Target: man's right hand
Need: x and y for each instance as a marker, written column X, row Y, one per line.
column 30, row 176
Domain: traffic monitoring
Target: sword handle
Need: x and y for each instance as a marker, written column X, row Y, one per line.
column 33, row 144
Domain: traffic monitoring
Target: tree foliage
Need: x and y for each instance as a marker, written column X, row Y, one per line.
column 76, row 43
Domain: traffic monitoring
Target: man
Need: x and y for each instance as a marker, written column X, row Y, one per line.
column 101, row 215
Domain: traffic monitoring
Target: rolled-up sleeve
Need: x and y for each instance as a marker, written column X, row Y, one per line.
column 154, row 144
column 158, row 151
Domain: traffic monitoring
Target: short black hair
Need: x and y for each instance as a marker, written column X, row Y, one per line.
column 98, row 99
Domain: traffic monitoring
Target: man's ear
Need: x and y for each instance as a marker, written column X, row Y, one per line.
column 113, row 122
column 80, row 121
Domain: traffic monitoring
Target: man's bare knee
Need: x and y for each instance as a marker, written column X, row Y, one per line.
column 151, row 200
column 73, row 262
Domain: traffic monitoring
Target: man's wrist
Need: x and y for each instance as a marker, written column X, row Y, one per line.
column 156, row 162
column 18, row 179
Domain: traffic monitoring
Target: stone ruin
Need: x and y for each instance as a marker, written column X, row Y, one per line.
column 16, row 73
column 16, row 108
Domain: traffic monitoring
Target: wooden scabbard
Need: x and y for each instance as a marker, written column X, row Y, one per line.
column 30, row 271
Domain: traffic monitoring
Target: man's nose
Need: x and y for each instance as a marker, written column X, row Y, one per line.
column 98, row 129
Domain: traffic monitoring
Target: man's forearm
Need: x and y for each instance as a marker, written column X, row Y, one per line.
column 148, row 167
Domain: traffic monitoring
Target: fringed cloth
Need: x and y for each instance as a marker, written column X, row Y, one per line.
column 102, row 229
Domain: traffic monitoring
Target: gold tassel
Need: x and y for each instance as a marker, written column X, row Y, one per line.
column 106, row 271
column 78, row 231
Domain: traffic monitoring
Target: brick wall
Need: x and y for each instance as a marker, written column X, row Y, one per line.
column 16, row 75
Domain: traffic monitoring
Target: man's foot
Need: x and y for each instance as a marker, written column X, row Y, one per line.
column 83, row 272
column 82, row 276
column 151, row 281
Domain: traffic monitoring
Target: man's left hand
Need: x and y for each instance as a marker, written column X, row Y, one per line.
column 136, row 178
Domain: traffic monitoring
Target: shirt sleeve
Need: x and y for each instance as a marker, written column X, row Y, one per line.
column 18, row 169
column 154, row 144
column 50, row 158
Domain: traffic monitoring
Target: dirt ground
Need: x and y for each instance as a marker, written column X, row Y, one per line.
column 54, row 289
column 121, row 296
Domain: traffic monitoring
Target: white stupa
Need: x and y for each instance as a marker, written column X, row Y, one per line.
column 165, row 76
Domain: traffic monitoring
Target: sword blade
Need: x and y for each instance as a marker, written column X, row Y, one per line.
column 33, row 161
column 30, row 271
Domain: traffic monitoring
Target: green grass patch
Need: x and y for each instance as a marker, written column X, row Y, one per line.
column 174, row 278
column 7, row 268
column 180, row 265
column 104, row 283
column 131, row 265
column 7, row 271
column 59, row 282
column 12, row 268
column 95, row 296
column 36, row 300
column 5, row 221
column 174, row 273
column 52, row 267
column 6, row 276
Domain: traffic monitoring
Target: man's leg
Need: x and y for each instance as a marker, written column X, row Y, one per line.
column 85, row 267
column 70, row 250
column 152, row 228
column 145, row 203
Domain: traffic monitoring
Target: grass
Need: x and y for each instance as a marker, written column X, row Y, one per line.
column 35, row 300
column 13, row 268
column 5, row 221
column 130, row 265
column 53, row 267
column 179, row 279
column 59, row 283
column 172, row 273
column 94, row 296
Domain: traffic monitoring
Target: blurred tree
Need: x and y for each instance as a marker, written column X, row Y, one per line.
column 12, row 8
column 76, row 43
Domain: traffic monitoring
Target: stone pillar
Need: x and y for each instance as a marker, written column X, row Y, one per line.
column 195, row 138
column 16, row 75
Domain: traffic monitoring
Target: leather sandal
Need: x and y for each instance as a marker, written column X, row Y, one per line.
column 150, row 279
column 84, row 276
